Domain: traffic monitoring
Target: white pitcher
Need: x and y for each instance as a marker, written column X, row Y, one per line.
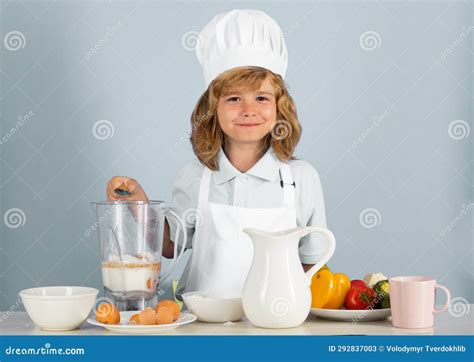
column 277, row 291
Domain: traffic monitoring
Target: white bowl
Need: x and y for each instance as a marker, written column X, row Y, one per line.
column 214, row 308
column 59, row 308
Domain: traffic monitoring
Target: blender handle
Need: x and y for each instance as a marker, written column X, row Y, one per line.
column 176, row 257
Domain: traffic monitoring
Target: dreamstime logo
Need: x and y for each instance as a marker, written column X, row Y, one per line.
column 96, row 224
column 105, row 38
column 103, row 307
column 370, row 218
column 377, row 121
column 200, row 119
column 191, row 40
column 466, row 209
column 280, row 307
column 459, row 307
column 14, row 40
column 464, row 35
column 103, row 129
column 22, row 120
column 14, row 218
column 192, row 218
column 370, row 40
column 281, row 130
column 12, row 309
column 458, row 129
column 291, row 29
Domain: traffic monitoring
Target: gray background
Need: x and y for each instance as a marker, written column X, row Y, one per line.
column 377, row 124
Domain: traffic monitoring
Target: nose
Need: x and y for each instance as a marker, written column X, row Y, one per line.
column 248, row 109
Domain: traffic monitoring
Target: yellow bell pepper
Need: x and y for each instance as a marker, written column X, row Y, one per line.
column 329, row 290
column 322, row 286
column 342, row 285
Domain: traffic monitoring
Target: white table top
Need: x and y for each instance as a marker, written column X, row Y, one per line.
column 18, row 323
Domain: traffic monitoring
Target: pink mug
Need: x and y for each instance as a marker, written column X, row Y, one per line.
column 412, row 300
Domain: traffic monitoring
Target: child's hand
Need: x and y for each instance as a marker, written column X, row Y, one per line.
column 125, row 188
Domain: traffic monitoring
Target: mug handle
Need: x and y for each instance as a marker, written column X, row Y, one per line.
column 448, row 299
column 176, row 257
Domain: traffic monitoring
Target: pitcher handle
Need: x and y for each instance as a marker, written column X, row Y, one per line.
column 176, row 257
column 329, row 251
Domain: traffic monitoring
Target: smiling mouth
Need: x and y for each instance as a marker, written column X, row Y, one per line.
column 249, row 125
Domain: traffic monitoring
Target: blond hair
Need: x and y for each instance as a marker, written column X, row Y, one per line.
column 207, row 137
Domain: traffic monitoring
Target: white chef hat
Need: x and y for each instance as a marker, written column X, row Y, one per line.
column 241, row 38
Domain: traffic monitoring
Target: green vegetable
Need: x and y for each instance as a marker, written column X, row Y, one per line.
column 382, row 287
column 382, row 290
column 385, row 303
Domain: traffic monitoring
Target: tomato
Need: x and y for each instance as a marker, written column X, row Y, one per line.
column 358, row 283
column 358, row 298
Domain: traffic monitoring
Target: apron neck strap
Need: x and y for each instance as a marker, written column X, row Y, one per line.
column 204, row 186
column 288, row 185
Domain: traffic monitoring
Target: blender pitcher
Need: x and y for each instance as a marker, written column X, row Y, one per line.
column 131, row 242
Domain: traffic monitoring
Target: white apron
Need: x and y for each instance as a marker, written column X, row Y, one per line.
column 222, row 254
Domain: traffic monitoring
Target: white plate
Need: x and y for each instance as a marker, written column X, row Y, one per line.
column 130, row 328
column 352, row 315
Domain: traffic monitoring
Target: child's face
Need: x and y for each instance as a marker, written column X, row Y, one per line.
column 247, row 117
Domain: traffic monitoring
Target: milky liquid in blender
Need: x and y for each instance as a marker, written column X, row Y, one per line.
column 133, row 276
column 130, row 276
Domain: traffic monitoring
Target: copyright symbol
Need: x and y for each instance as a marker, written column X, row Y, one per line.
column 381, row 348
